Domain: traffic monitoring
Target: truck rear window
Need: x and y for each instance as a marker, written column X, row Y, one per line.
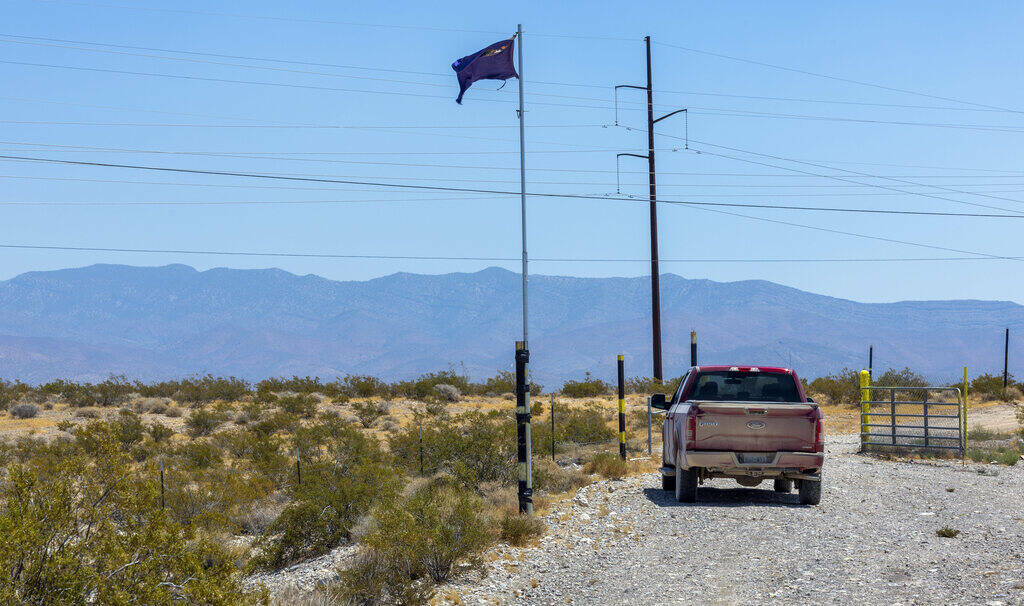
column 740, row 386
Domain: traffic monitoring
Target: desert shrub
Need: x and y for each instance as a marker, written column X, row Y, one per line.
column 335, row 492
column 586, row 425
column 369, row 413
column 364, row 386
column 501, row 383
column 197, row 390
column 447, row 393
column 112, row 392
column 435, row 408
column 607, row 464
column 173, row 412
column 980, row 434
column 903, row 378
column 990, row 387
column 87, row 413
column 202, row 422
column 81, row 528
column 302, row 405
column 303, row 385
column 417, row 542
column 947, row 533
column 552, row 478
column 424, row 386
column 519, row 530
column 589, row 387
column 130, row 429
column 159, row 432
column 11, row 392
column 648, row 385
column 842, row 388
column 472, row 447
column 24, row 411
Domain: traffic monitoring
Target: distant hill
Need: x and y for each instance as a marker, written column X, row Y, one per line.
column 153, row 322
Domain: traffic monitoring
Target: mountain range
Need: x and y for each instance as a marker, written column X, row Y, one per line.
column 172, row 321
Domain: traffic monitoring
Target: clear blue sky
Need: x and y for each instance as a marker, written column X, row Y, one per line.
column 965, row 51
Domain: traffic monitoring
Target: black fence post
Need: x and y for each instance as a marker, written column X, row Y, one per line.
column 162, row 502
column 622, row 407
column 552, row 427
column 525, row 484
column 298, row 466
column 693, row 348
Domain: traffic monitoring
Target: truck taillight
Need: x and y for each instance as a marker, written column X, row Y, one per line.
column 819, row 433
column 691, row 430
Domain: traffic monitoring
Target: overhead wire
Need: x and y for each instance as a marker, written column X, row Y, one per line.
column 480, row 258
column 836, row 78
column 493, row 191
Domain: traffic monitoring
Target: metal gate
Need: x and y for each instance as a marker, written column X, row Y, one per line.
column 913, row 418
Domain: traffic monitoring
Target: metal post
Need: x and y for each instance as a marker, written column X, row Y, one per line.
column 552, row 427
column 693, row 348
column 655, row 277
column 522, row 181
column 162, row 505
column 1006, row 359
column 649, row 423
column 963, row 415
column 865, row 420
column 622, row 407
column 892, row 407
column 525, row 485
column 871, row 360
column 924, row 404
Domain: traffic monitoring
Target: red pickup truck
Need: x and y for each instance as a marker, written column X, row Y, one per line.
column 746, row 423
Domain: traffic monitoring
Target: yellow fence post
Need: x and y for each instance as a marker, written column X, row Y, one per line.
column 865, row 419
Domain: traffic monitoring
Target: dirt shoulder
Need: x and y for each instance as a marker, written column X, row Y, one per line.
column 872, row 540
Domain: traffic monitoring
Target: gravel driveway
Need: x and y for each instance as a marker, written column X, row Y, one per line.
column 872, row 540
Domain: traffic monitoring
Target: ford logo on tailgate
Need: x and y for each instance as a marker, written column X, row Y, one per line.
column 755, row 424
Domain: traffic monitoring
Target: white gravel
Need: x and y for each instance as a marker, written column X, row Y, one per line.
column 872, row 540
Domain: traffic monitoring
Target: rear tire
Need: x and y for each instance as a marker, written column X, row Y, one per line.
column 810, row 492
column 668, row 482
column 783, row 485
column 686, row 484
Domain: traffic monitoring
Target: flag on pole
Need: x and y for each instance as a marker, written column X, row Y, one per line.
column 491, row 63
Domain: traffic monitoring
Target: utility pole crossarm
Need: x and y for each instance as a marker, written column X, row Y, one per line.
column 670, row 114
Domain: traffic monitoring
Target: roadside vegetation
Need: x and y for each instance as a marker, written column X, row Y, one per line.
column 177, row 491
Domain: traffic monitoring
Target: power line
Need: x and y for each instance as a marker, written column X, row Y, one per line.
column 448, row 75
column 283, row 155
column 753, row 114
column 284, row 85
column 349, row 23
column 837, row 78
column 482, row 258
column 318, row 179
column 292, row 188
column 927, row 195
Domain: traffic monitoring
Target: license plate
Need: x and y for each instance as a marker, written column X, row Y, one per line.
column 750, row 458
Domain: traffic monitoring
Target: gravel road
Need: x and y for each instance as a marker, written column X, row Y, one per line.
column 872, row 540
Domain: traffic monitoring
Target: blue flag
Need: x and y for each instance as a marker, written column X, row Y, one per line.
column 491, row 63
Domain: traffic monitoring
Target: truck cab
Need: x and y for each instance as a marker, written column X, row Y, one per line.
column 746, row 423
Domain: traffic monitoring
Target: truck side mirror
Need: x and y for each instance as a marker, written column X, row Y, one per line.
column 658, row 401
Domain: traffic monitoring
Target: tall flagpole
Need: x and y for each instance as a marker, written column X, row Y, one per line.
column 523, row 442
column 522, row 179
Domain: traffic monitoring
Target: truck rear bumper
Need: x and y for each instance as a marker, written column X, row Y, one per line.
column 789, row 464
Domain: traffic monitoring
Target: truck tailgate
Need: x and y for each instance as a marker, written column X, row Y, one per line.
column 754, row 426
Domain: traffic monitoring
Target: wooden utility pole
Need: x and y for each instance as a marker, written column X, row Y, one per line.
column 653, row 200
